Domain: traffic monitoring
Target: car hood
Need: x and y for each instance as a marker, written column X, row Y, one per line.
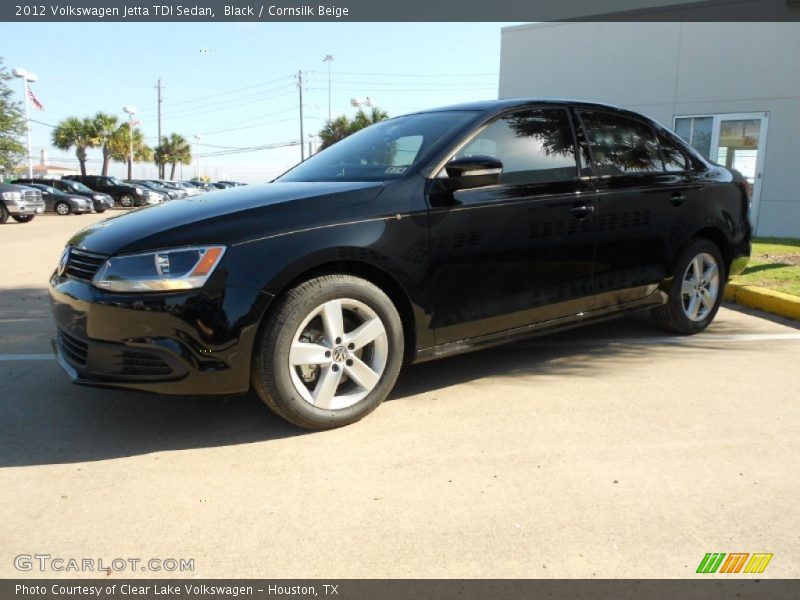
column 226, row 216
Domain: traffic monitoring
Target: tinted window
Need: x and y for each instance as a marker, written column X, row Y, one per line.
column 535, row 146
column 620, row 145
column 674, row 158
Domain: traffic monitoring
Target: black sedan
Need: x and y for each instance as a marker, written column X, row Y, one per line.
column 100, row 202
column 62, row 203
column 413, row 239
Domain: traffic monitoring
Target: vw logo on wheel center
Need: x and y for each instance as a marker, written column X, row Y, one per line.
column 339, row 353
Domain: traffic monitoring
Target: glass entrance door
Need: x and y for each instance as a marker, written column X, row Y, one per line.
column 736, row 141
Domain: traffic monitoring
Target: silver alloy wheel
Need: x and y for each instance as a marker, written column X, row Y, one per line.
column 62, row 208
column 338, row 354
column 700, row 287
column 126, row 201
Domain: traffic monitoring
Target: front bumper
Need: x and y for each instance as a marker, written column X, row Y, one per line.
column 23, row 208
column 193, row 342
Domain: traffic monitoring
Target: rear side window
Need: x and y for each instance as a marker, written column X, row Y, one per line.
column 619, row 145
column 534, row 145
column 675, row 161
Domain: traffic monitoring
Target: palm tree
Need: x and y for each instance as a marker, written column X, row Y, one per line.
column 340, row 127
column 173, row 150
column 119, row 145
column 105, row 125
column 77, row 133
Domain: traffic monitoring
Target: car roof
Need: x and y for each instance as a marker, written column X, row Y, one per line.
column 496, row 106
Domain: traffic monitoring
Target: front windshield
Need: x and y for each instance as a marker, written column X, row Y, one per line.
column 383, row 151
column 115, row 180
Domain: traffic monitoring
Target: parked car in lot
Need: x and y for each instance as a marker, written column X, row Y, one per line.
column 160, row 191
column 62, row 203
column 188, row 188
column 172, row 187
column 124, row 194
column 203, row 186
column 232, row 183
column 19, row 202
column 100, row 202
column 416, row 238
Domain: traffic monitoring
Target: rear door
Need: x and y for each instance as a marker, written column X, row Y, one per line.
column 519, row 253
column 642, row 191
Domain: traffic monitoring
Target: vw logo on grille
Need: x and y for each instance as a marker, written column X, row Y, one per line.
column 62, row 264
column 339, row 354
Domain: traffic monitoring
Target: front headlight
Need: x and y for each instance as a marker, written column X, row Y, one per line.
column 162, row 271
column 13, row 196
column 98, row 197
column 138, row 191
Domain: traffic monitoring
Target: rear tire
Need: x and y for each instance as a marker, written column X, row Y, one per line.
column 329, row 353
column 695, row 295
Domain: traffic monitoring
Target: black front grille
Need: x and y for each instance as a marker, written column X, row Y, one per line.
column 82, row 264
column 73, row 349
column 143, row 363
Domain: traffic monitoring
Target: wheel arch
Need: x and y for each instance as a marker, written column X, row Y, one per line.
column 721, row 241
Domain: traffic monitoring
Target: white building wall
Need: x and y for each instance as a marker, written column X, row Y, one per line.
column 668, row 69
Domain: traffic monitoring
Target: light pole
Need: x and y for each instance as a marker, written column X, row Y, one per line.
column 198, row 137
column 131, row 111
column 26, row 78
column 329, row 59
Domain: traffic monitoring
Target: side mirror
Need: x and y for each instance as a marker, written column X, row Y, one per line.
column 472, row 172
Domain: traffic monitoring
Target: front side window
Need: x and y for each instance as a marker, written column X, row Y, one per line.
column 534, row 145
column 619, row 145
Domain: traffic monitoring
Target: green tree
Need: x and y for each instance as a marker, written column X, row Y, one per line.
column 119, row 145
column 76, row 133
column 171, row 151
column 105, row 126
column 12, row 126
column 340, row 127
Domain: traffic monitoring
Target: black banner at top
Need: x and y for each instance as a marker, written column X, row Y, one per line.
column 405, row 11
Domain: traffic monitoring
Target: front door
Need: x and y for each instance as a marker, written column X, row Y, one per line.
column 518, row 253
column 736, row 141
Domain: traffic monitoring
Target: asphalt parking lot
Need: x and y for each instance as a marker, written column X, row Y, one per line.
column 615, row 451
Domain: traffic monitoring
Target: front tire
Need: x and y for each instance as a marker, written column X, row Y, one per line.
column 63, row 208
column 330, row 352
column 695, row 295
column 22, row 218
column 3, row 214
column 126, row 201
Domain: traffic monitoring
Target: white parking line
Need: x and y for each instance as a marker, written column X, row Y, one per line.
column 18, row 357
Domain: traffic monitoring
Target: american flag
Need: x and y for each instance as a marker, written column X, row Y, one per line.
column 36, row 104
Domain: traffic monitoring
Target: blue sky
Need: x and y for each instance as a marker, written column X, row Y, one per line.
column 233, row 83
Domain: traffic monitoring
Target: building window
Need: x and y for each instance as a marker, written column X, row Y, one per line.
column 696, row 131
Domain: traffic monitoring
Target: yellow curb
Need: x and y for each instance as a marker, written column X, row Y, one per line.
column 785, row 305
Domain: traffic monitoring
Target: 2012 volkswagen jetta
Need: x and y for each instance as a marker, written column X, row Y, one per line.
column 416, row 238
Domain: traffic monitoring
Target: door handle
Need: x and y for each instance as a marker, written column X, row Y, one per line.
column 582, row 211
column 677, row 199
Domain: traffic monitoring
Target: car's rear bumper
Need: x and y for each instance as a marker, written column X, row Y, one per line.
column 197, row 342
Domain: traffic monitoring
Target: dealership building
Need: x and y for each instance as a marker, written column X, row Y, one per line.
column 732, row 90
